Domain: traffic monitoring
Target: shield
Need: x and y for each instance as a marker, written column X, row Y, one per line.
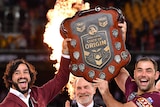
column 97, row 49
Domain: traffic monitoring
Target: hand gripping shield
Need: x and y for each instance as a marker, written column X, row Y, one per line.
column 97, row 49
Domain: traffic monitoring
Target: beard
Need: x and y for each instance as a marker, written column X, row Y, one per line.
column 18, row 89
column 145, row 88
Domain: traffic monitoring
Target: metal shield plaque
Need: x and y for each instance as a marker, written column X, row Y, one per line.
column 97, row 49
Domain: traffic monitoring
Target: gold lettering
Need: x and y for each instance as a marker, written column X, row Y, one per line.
column 95, row 44
column 91, row 40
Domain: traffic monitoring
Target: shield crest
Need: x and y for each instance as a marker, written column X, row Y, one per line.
column 97, row 49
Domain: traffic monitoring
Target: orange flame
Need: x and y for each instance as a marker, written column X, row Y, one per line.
column 62, row 9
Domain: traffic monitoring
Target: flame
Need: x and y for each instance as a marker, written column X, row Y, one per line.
column 62, row 9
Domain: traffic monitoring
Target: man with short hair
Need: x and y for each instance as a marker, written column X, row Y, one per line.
column 83, row 93
column 140, row 91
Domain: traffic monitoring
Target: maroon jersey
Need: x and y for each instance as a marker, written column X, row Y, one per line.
column 41, row 96
column 150, row 99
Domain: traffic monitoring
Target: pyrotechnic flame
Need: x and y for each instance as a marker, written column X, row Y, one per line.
column 62, row 9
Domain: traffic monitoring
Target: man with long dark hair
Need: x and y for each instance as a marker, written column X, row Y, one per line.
column 20, row 76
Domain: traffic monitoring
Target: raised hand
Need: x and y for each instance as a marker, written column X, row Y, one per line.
column 65, row 49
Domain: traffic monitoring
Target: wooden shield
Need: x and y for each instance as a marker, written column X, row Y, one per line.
column 97, row 49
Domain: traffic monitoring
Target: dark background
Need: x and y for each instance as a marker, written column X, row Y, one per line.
column 27, row 19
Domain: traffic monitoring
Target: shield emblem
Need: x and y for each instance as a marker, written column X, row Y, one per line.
column 97, row 49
